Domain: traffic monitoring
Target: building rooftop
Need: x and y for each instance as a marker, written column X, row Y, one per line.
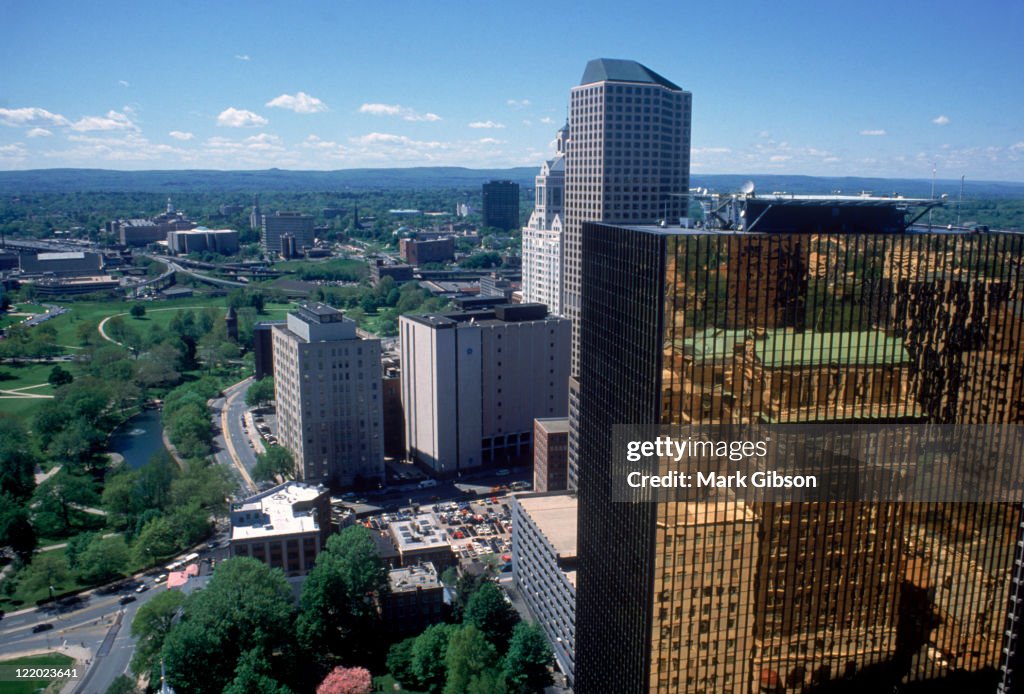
column 67, row 255
column 777, row 348
column 555, row 517
column 554, row 425
column 616, row 70
column 413, row 578
column 784, row 348
column 273, row 512
column 422, row 532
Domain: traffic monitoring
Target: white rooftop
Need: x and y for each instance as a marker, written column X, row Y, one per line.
column 272, row 512
column 66, row 255
column 422, row 532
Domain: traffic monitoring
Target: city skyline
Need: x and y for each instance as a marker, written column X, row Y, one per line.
column 777, row 90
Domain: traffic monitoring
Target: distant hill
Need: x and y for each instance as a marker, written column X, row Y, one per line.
column 201, row 181
column 103, row 180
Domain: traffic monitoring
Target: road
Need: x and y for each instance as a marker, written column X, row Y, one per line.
column 89, row 623
column 231, row 445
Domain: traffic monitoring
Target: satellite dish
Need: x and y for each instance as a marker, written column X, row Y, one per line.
column 747, row 188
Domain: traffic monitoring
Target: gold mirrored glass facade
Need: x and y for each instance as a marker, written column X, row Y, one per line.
column 703, row 328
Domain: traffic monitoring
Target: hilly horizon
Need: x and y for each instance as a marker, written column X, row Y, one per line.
column 283, row 180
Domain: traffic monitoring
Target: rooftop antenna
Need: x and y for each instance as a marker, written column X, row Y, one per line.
column 958, row 202
column 933, row 197
column 747, row 189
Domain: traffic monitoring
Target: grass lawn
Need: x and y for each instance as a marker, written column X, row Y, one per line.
column 58, row 661
column 157, row 313
column 95, row 311
column 14, row 376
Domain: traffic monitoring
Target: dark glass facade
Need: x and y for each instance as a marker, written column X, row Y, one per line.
column 501, row 205
column 684, row 327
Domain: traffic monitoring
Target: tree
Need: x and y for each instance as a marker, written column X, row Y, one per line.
column 150, row 627
column 153, row 481
column 251, row 676
column 342, row 680
column 122, row 684
column 469, row 655
column 208, row 485
column 260, row 393
column 103, row 560
column 489, row 612
column 76, row 547
column 276, row 462
column 429, row 655
column 399, row 661
column 246, row 608
column 17, row 459
column 56, row 498
column 137, row 311
column 527, row 661
column 159, row 367
column 339, row 597
column 59, row 376
column 156, row 540
column 47, row 569
column 119, row 498
column 16, row 530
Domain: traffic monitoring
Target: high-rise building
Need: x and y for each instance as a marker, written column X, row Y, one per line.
column 473, row 382
column 628, row 161
column 296, row 224
column 543, row 247
column 501, row 205
column 327, row 386
column 550, row 454
column 700, row 327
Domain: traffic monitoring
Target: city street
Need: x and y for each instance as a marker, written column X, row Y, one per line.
column 231, row 447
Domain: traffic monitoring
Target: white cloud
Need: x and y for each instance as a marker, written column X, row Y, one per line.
column 243, row 56
column 877, row 132
column 117, row 147
column 490, row 141
column 240, row 118
column 711, row 150
column 940, row 120
column 527, row 122
column 179, row 135
column 300, row 103
column 518, row 103
column 124, row 83
column 112, row 121
column 31, row 115
column 38, row 132
column 547, row 120
column 486, row 124
column 397, row 110
column 1017, row 147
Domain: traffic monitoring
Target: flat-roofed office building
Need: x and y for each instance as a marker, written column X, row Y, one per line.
column 327, row 386
column 473, row 382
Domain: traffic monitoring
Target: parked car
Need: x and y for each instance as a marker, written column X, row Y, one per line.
column 126, row 599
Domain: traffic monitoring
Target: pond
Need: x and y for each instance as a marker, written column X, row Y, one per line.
column 139, row 438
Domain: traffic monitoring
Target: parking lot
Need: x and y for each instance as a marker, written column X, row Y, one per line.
column 479, row 530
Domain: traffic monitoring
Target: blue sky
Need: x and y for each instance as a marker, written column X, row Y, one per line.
column 819, row 88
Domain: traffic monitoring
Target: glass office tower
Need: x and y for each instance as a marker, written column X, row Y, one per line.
column 704, row 328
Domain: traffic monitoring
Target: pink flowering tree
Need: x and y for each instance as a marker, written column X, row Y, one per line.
column 347, row 680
